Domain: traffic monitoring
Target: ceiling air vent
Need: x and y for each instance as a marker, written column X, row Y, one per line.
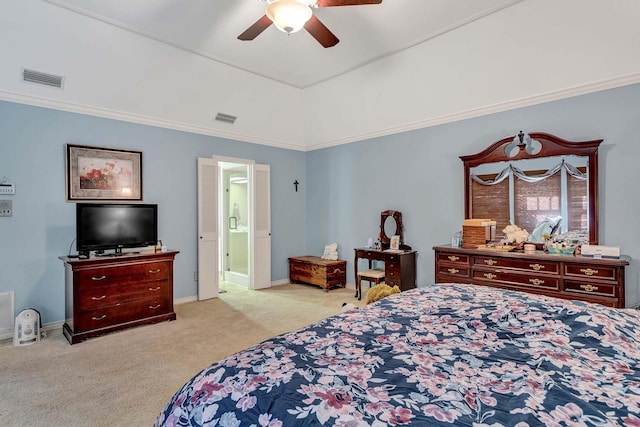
column 226, row 118
column 42, row 78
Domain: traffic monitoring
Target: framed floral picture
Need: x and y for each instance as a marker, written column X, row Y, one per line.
column 394, row 243
column 103, row 174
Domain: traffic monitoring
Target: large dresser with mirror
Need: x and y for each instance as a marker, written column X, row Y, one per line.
column 524, row 180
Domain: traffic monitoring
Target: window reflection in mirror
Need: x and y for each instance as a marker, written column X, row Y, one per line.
column 553, row 205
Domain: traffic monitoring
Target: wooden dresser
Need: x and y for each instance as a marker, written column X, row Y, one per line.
column 571, row 277
column 104, row 294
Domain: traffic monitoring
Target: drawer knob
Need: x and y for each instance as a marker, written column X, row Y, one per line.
column 536, row 281
column 588, row 271
column 153, row 307
column 490, row 261
column 490, row 276
column 104, row 316
column 97, row 278
column 154, row 271
column 589, row 288
column 537, row 267
column 157, row 288
column 453, row 258
column 98, row 298
column 453, row 271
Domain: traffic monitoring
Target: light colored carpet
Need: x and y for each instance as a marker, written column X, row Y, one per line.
column 125, row 378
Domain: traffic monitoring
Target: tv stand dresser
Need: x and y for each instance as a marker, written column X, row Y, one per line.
column 563, row 276
column 108, row 293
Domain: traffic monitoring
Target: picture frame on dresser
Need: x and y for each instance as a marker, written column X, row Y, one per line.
column 102, row 174
column 394, row 243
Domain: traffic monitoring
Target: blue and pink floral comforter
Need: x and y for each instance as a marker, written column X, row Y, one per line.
column 448, row 354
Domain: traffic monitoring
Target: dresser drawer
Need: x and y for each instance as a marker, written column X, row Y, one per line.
column 591, row 288
column 393, row 281
column 135, row 273
column 540, row 282
column 519, row 264
column 371, row 255
column 118, row 314
column 100, row 295
column 455, row 258
column 453, row 270
column 597, row 271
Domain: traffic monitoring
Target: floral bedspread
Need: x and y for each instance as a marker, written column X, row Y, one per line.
column 447, row 354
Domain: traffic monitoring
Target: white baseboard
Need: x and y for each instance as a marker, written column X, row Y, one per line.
column 185, row 300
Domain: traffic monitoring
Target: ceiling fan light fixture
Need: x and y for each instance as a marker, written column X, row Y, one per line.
column 289, row 16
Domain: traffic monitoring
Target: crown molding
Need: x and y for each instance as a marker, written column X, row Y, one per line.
column 485, row 110
column 140, row 119
column 446, row 118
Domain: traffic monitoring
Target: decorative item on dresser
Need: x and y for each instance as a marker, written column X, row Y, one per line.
column 570, row 277
column 400, row 264
column 104, row 294
column 325, row 273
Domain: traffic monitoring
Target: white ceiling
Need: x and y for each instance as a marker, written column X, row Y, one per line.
column 210, row 28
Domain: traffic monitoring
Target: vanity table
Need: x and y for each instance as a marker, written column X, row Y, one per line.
column 400, row 264
column 522, row 180
column 399, row 267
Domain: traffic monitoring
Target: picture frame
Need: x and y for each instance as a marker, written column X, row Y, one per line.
column 394, row 243
column 102, row 174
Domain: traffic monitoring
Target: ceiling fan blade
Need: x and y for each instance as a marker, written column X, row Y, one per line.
column 258, row 27
column 320, row 32
column 330, row 3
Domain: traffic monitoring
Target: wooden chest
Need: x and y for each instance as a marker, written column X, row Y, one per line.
column 317, row 271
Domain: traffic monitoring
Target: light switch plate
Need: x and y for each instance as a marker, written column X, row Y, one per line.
column 6, row 208
column 7, row 188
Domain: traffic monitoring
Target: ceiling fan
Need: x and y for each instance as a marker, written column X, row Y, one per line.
column 290, row 16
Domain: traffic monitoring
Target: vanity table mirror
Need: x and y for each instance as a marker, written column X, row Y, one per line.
column 539, row 182
column 391, row 225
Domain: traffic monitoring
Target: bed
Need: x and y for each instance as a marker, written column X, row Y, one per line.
column 447, row 354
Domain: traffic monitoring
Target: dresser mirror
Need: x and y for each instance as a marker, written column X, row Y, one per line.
column 539, row 182
column 391, row 225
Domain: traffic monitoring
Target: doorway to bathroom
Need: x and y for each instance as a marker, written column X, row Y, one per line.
column 234, row 215
column 233, row 201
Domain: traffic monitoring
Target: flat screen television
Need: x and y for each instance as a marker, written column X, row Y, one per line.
column 100, row 227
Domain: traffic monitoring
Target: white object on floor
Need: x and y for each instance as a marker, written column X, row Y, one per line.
column 27, row 328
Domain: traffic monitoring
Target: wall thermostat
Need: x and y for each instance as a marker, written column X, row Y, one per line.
column 7, row 188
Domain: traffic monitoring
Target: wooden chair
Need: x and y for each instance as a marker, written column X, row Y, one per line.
column 374, row 275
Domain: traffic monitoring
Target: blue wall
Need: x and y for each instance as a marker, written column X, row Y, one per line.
column 343, row 189
column 420, row 174
column 42, row 228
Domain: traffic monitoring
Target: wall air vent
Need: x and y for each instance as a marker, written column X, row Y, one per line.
column 226, row 118
column 33, row 76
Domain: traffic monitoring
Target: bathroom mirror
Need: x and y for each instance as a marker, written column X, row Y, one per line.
column 534, row 181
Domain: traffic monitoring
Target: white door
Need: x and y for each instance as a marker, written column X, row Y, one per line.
column 261, row 277
column 208, row 285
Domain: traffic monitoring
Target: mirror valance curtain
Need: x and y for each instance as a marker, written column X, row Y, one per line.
column 540, row 194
